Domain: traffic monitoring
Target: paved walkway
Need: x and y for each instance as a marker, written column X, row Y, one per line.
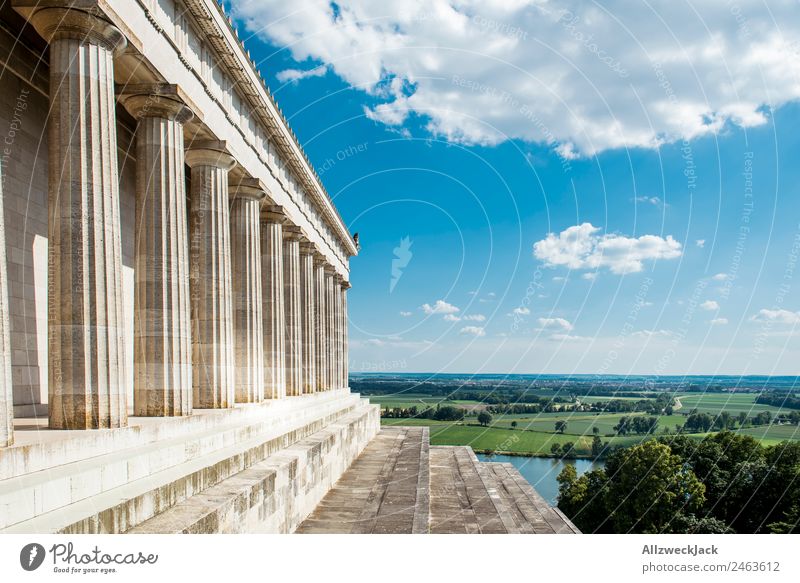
column 400, row 484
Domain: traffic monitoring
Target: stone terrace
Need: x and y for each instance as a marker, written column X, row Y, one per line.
column 400, row 484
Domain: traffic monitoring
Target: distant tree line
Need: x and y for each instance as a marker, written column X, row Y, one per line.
column 725, row 483
column 438, row 413
column 638, row 425
column 781, row 400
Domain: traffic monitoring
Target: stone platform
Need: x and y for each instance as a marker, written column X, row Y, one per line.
column 253, row 468
column 400, row 484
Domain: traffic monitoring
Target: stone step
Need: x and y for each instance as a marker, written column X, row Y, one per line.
column 464, row 495
column 385, row 491
column 276, row 494
column 113, row 492
column 530, row 511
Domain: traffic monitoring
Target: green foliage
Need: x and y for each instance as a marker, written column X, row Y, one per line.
column 726, row 482
column 561, row 426
column 484, row 418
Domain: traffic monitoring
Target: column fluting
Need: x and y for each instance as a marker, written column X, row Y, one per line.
column 210, row 276
column 248, row 323
column 162, row 316
column 345, row 336
column 308, row 316
column 292, row 304
column 321, row 322
column 272, row 219
column 6, row 393
column 330, row 324
column 86, row 336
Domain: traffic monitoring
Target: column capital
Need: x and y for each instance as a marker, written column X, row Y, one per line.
column 307, row 247
column 329, row 270
column 210, row 153
column 292, row 233
column 345, row 284
column 162, row 100
column 248, row 188
column 273, row 214
column 65, row 22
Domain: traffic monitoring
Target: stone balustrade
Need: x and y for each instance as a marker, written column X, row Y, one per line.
column 239, row 288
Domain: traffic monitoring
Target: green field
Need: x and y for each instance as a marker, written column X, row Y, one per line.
column 714, row 403
column 579, row 423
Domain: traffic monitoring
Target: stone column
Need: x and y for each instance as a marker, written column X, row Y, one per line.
column 272, row 219
column 292, row 299
column 321, row 323
column 308, row 316
column 86, row 336
column 330, row 331
column 345, row 342
column 210, row 276
column 338, row 328
column 162, row 324
column 248, row 322
column 6, row 394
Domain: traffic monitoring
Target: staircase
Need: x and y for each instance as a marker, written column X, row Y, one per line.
column 400, row 484
column 255, row 468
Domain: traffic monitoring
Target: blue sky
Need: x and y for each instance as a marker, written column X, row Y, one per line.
column 551, row 187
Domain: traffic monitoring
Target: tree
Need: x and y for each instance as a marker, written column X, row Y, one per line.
column 555, row 449
column 513, row 425
column 484, row 418
column 596, row 430
column 566, row 449
column 597, row 446
column 561, row 426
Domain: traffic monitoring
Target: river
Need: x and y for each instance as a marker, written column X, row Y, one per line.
column 541, row 472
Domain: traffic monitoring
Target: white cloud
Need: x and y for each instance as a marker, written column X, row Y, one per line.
column 475, row 318
column 776, row 316
column 581, row 247
column 297, row 75
column 522, row 311
column 555, row 324
column 589, row 275
column 406, row 314
column 569, row 338
column 559, row 278
column 719, row 321
column 652, row 334
column 477, row 331
column 719, row 276
column 578, row 77
column 709, row 305
column 440, row 307
column 700, row 243
column 451, row 318
column 653, row 200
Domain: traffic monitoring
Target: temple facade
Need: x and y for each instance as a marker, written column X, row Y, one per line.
column 168, row 245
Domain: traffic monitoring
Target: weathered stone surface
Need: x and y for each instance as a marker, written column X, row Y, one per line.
column 162, row 325
column 308, row 317
column 293, row 325
column 248, row 320
column 86, row 351
column 330, row 326
column 210, row 276
column 6, row 402
column 321, row 323
column 272, row 302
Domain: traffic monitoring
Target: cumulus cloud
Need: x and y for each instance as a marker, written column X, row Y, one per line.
column 709, row 305
column 700, row 243
column 582, row 247
column 475, row 318
column 652, row 334
column 451, row 318
column 296, row 75
column 577, row 77
column 555, row 324
column 719, row 276
column 440, row 307
column 719, row 321
column 776, row 317
column 406, row 314
column 521, row 311
column 476, row 331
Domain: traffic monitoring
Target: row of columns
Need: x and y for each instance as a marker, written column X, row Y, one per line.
column 233, row 304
